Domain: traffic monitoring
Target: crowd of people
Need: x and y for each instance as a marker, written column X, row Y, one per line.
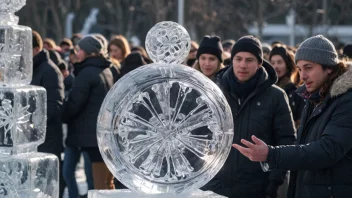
column 291, row 110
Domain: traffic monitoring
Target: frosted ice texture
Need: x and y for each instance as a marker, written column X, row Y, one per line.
column 129, row 194
column 165, row 128
column 22, row 118
column 7, row 10
column 24, row 173
column 11, row 6
column 16, row 60
column 29, row 175
column 168, row 42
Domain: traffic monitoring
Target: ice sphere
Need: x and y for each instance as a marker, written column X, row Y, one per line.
column 22, row 118
column 165, row 128
column 129, row 194
column 168, row 42
column 16, row 60
column 29, row 175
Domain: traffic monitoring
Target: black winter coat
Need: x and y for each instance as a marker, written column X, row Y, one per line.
column 296, row 102
column 322, row 163
column 47, row 75
column 92, row 82
column 266, row 114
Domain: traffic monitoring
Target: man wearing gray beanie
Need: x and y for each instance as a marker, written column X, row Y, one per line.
column 321, row 160
column 90, row 44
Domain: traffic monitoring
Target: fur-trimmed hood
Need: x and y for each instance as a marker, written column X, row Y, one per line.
column 343, row 83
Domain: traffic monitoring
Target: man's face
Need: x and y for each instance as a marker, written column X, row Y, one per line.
column 65, row 48
column 36, row 51
column 312, row 74
column 245, row 65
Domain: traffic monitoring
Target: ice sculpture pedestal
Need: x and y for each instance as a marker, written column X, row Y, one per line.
column 130, row 194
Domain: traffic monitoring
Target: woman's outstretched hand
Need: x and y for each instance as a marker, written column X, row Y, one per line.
column 257, row 152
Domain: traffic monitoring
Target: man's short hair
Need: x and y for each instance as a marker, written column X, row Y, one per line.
column 37, row 40
column 66, row 41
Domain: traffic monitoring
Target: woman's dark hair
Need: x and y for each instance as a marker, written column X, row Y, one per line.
column 288, row 57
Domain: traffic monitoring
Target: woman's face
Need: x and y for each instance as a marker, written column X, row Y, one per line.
column 279, row 65
column 208, row 64
column 81, row 55
column 116, row 52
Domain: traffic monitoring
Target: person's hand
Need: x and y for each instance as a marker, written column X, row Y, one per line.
column 257, row 152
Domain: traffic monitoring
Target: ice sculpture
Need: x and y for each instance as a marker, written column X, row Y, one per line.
column 165, row 127
column 24, row 173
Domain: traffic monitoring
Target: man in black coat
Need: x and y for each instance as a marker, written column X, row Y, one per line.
column 322, row 159
column 259, row 108
column 48, row 75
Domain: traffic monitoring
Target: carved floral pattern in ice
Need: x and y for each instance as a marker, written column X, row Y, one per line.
column 168, row 42
column 10, row 117
column 165, row 146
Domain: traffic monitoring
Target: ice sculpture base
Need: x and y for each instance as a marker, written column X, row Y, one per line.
column 30, row 175
column 131, row 194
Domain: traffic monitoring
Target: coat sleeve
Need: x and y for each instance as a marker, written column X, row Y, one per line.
column 283, row 134
column 333, row 145
column 53, row 83
column 78, row 96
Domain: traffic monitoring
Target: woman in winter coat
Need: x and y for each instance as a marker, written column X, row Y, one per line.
column 283, row 62
column 92, row 82
column 209, row 56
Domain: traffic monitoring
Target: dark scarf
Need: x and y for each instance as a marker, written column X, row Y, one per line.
column 242, row 90
column 314, row 97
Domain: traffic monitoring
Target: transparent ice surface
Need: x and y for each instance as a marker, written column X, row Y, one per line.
column 22, row 118
column 16, row 60
column 7, row 10
column 30, row 175
column 11, row 6
column 24, row 173
column 165, row 128
column 168, row 42
column 130, row 194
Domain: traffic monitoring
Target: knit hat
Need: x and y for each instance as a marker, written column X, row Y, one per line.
column 347, row 50
column 210, row 45
column 266, row 48
column 90, row 44
column 248, row 44
column 317, row 49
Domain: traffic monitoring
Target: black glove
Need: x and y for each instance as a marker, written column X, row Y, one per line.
column 271, row 190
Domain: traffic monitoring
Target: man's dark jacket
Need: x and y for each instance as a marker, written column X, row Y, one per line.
column 47, row 75
column 92, row 82
column 266, row 114
column 321, row 166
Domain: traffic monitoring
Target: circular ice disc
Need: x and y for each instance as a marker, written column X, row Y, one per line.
column 168, row 42
column 165, row 129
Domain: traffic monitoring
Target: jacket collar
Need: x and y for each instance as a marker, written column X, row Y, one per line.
column 342, row 84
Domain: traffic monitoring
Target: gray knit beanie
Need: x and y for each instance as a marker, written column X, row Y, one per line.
column 317, row 49
column 90, row 44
